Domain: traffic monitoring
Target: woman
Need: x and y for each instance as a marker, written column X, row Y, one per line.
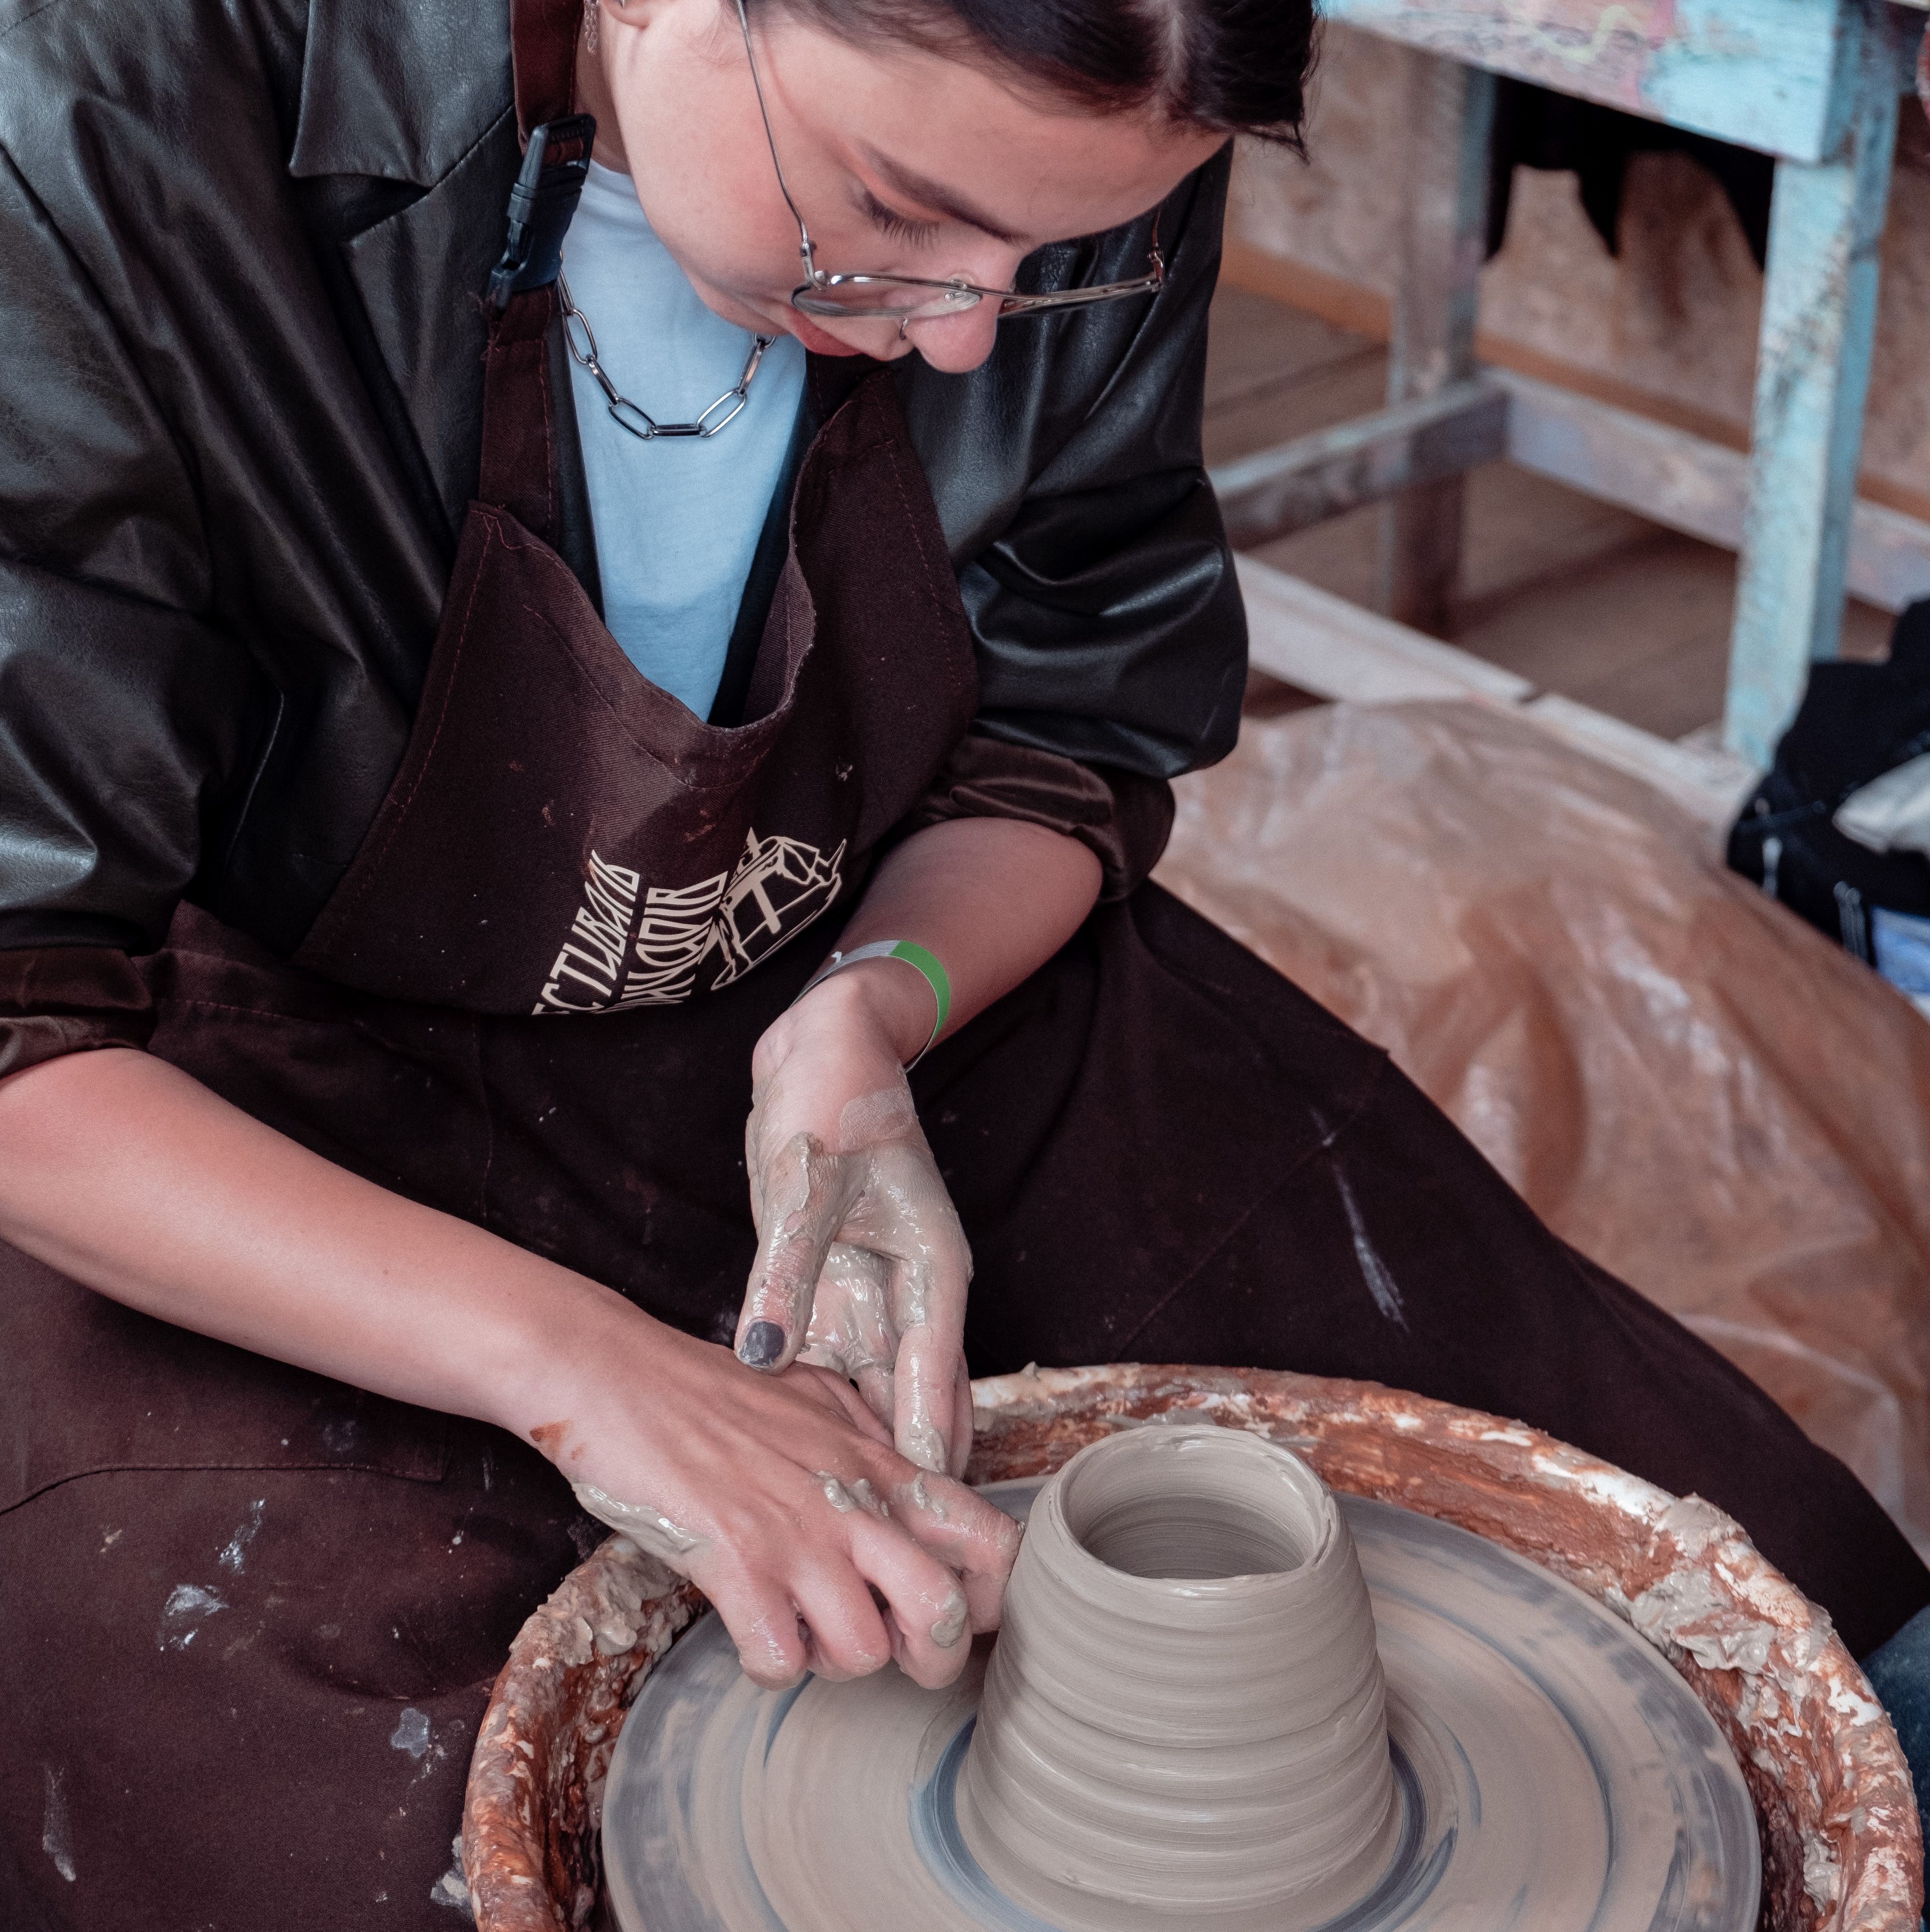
column 416, row 767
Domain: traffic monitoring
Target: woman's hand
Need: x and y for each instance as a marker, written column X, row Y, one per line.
column 862, row 1266
column 779, row 1496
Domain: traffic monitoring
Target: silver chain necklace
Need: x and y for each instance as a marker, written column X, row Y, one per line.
column 632, row 416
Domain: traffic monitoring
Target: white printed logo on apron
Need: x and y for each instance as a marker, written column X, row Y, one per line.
column 630, row 946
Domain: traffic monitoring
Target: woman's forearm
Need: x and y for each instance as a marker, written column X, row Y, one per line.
column 993, row 897
column 127, row 1173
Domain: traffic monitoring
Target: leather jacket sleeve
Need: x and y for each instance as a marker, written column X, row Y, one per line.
column 57, row 1000
column 124, row 721
column 1097, row 578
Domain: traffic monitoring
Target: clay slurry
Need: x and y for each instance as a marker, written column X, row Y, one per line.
column 1183, row 1718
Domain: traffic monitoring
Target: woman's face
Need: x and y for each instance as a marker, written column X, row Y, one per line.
column 900, row 162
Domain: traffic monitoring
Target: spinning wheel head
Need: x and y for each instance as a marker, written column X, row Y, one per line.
column 1543, row 1767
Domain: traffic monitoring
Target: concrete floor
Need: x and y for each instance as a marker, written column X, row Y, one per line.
column 1578, row 596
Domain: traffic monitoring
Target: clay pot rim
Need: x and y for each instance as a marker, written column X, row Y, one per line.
column 1254, row 1588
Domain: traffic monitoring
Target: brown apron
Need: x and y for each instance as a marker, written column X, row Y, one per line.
column 248, row 1617
column 565, row 837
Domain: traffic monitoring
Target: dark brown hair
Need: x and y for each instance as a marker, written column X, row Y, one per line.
column 1233, row 67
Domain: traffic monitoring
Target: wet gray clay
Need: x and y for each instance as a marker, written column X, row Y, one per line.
column 1183, row 1717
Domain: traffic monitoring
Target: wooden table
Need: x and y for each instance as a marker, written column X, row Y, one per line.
column 1813, row 82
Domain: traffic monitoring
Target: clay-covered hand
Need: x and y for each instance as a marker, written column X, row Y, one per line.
column 862, row 1266
column 781, row 1498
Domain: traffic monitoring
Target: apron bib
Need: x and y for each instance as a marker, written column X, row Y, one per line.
column 565, row 837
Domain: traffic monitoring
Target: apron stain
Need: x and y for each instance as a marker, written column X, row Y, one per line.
column 1380, row 1282
column 56, row 1834
column 188, row 1606
column 1373, row 1269
column 234, row 1555
column 451, row 1889
column 411, row 1733
column 414, row 1735
column 242, row 1643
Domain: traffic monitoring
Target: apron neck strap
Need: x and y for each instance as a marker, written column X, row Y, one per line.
column 542, row 51
column 520, row 469
column 556, row 144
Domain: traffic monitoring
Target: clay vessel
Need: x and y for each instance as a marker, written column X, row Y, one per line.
column 1183, row 1720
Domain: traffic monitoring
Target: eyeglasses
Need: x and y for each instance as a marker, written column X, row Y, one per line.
column 905, row 299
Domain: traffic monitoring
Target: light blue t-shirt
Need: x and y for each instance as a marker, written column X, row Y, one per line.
column 676, row 520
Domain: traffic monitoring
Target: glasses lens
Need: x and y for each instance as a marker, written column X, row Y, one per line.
column 861, row 295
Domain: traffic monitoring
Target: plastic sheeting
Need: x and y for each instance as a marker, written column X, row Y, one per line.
column 1685, row 1080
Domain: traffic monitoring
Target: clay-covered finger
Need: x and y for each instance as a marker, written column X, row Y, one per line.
column 850, row 1324
column 926, row 1601
column 801, row 1192
column 929, row 1285
column 976, row 1541
column 922, row 1405
column 960, row 1436
column 878, row 1387
column 773, row 1646
column 848, row 1636
column 928, row 1291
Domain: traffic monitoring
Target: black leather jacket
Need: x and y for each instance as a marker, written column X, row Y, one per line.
column 240, row 246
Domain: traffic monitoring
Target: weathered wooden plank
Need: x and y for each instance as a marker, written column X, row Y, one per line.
column 1812, row 378
column 1443, row 242
column 1689, row 484
column 1322, row 643
column 1775, row 75
column 1293, row 485
column 1890, row 557
column 1709, row 782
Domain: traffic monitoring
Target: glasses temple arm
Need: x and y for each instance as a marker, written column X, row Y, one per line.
column 770, row 141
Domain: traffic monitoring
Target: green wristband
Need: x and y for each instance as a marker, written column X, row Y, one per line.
column 915, row 956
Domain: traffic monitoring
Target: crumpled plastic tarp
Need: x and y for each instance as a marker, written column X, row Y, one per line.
column 1685, row 1080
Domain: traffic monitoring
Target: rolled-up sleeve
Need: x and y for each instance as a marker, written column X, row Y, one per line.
column 1122, row 818
column 57, row 1000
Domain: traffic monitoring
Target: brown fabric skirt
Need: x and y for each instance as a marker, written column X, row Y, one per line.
column 249, row 1617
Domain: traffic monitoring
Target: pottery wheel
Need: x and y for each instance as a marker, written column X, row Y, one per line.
column 1553, row 1773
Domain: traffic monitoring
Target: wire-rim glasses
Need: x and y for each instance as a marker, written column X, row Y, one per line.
column 904, row 299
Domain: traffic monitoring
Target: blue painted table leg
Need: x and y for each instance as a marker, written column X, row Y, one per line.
column 1812, row 376
column 1444, row 235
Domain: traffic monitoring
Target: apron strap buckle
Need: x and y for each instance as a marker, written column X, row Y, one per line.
column 541, row 206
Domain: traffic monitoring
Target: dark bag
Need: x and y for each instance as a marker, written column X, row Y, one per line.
column 1858, row 721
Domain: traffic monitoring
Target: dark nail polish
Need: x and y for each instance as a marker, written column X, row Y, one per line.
column 763, row 1343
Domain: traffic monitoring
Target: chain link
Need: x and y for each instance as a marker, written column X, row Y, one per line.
column 632, row 416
